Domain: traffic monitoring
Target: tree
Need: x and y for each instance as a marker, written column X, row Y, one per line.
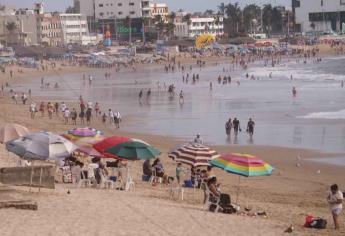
column 172, row 16
column 234, row 14
column 222, row 8
column 250, row 12
column 11, row 27
column 158, row 20
column 209, row 12
column 70, row 10
column 267, row 18
column 128, row 22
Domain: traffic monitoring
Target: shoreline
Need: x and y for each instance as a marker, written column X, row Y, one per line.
column 287, row 196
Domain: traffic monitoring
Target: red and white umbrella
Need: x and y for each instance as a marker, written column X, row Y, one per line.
column 194, row 154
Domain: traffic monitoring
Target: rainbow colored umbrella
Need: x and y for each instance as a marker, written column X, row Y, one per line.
column 242, row 164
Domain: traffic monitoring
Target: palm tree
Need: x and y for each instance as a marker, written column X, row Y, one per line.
column 222, row 8
column 159, row 25
column 11, row 27
column 234, row 13
column 250, row 12
column 187, row 19
column 128, row 22
column 208, row 12
column 172, row 16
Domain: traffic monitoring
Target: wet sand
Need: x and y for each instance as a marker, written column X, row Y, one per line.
column 287, row 196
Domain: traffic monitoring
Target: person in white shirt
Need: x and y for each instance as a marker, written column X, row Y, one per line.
column 33, row 110
column 63, row 107
column 335, row 201
column 111, row 116
column 198, row 139
column 117, row 119
column 66, row 115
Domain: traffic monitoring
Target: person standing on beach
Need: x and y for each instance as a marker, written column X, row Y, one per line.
column 56, row 108
column 74, row 117
column 66, row 115
column 198, row 139
column 228, row 127
column 294, row 92
column 81, row 116
column 88, row 115
column 33, row 110
column 250, row 127
column 335, row 201
column 111, row 116
column 236, row 126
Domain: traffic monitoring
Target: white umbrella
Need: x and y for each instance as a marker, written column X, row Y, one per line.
column 11, row 131
column 41, row 146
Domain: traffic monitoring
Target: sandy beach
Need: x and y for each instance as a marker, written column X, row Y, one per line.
column 287, row 196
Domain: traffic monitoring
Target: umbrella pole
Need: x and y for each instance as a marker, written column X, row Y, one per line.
column 31, row 175
column 39, row 188
column 238, row 188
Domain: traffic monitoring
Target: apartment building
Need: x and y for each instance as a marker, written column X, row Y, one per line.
column 199, row 25
column 74, row 29
column 49, row 29
column 319, row 15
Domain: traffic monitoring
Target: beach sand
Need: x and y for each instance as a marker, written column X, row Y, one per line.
column 287, row 196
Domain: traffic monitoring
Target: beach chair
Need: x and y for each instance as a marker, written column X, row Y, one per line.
column 175, row 188
column 106, row 182
column 211, row 200
column 130, row 184
column 84, row 181
column 154, row 179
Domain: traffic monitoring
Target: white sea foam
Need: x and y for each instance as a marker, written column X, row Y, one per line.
column 325, row 115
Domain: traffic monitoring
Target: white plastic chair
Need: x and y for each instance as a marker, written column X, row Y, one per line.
column 209, row 202
column 130, row 184
column 155, row 179
column 105, row 181
column 175, row 188
column 83, row 181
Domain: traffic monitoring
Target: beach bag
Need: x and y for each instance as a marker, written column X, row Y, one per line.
column 308, row 220
column 319, row 223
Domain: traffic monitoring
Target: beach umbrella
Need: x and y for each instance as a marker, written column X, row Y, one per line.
column 11, row 131
column 78, row 133
column 41, row 146
column 106, row 143
column 85, row 146
column 242, row 164
column 133, row 150
column 194, row 154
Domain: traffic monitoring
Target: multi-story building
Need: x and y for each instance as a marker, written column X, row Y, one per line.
column 111, row 9
column 198, row 25
column 49, row 29
column 160, row 9
column 319, row 15
column 74, row 29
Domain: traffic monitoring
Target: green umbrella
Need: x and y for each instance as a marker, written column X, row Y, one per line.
column 133, row 150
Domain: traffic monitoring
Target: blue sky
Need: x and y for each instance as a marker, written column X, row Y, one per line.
column 189, row 5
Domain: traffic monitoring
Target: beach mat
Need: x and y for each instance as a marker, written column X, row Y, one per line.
column 34, row 176
column 23, row 205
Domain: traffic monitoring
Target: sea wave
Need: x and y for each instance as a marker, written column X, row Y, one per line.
column 325, row 115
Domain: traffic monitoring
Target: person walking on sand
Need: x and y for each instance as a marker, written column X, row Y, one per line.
column 82, row 116
column 74, row 116
column 111, row 116
column 250, row 127
column 33, row 110
column 335, row 201
column 88, row 115
column 181, row 97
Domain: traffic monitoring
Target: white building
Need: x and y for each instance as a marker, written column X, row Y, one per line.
column 159, row 9
column 74, row 28
column 319, row 15
column 111, row 9
column 199, row 25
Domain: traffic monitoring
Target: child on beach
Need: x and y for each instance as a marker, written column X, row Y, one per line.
column 335, row 201
column 178, row 172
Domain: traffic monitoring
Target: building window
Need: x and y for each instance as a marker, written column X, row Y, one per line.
column 119, row 4
column 131, row 3
column 100, row 5
column 132, row 12
column 321, row 3
column 120, row 12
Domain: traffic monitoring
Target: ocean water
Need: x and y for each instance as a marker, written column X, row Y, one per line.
column 314, row 119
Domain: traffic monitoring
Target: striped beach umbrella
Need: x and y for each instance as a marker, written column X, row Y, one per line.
column 194, row 154
column 242, row 164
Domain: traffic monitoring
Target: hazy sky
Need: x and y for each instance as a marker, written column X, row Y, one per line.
column 189, row 5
